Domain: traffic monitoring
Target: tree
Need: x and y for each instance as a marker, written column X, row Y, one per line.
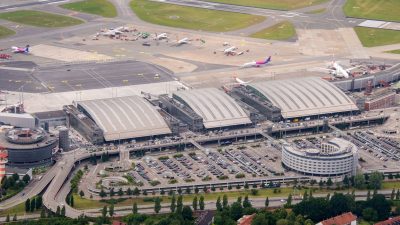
column 173, row 204
column 188, row 190
column 62, row 213
column 224, row 201
column 136, row 191
column 218, row 204
column 134, row 208
column 72, row 201
column 8, row 218
column 282, row 222
column 39, row 202
column 246, row 185
column 111, row 210
column 305, row 195
column 236, row 211
column 339, row 203
column 314, row 208
column 375, row 180
column 321, row 183
column 179, row 204
column 398, row 194
column 58, row 211
column 104, row 211
column 129, row 191
column 381, row 205
column 194, row 203
column 239, row 199
column 28, row 205
column 157, row 205
column 246, row 202
column 201, row 203
column 196, row 190
column 112, row 192
column 259, row 219
column 370, row 214
column 329, row 182
column 266, row 202
column 289, row 201
column 368, row 195
column 359, row 181
column 26, row 178
column 43, row 214
column 102, row 193
column 187, row 213
column 393, row 195
column 33, row 204
column 15, row 176
column 81, row 194
column 120, row 192
column 15, row 217
column 346, row 181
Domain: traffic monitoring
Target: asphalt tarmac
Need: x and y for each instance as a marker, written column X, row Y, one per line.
column 27, row 77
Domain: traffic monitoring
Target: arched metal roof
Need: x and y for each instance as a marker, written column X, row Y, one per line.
column 305, row 97
column 215, row 107
column 125, row 117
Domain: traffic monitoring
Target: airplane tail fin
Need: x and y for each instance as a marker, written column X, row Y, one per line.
column 268, row 60
column 27, row 48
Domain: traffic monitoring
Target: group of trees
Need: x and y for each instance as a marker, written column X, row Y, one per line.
column 229, row 214
column 75, row 181
column 120, row 192
column 12, row 184
column 374, row 209
column 33, row 204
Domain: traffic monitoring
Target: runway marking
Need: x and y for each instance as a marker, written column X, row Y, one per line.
column 16, row 69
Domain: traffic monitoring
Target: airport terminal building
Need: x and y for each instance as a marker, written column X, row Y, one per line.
column 296, row 99
column 335, row 157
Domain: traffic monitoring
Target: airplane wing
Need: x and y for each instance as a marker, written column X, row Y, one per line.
column 352, row 68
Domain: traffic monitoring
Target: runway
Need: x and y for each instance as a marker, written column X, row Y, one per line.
column 27, row 77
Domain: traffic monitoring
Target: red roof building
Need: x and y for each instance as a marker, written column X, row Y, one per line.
column 344, row 219
column 390, row 221
column 246, row 219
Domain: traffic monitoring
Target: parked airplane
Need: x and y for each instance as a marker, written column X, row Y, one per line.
column 20, row 50
column 182, row 41
column 340, row 72
column 241, row 82
column 115, row 31
column 161, row 36
column 5, row 56
column 256, row 63
column 230, row 50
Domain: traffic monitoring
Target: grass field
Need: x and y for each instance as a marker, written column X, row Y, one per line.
column 391, row 185
column 18, row 209
column 192, row 18
column 39, row 19
column 272, row 4
column 371, row 37
column 98, row 7
column 317, row 11
column 373, row 9
column 83, row 203
column 394, row 51
column 5, row 32
column 280, row 31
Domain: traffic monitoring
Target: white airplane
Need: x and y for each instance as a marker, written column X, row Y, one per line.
column 115, row 31
column 230, row 50
column 20, row 50
column 256, row 63
column 339, row 71
column 182, row 41
column 242, row 82
column 161, row 36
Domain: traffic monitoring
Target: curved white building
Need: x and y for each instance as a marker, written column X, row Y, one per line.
column 334, row 157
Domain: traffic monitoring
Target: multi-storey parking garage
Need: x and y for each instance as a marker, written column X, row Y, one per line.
column 304, row 97
column 331, row 158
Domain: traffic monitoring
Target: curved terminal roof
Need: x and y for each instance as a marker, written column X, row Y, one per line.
column 125, row 117
column 215, row 107
column 305, row 97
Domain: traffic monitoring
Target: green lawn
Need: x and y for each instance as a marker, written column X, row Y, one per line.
column 280, row 31
column 391, row 185
column 373, row 9
column 5, row 32
column 394, row 51
column 98, row 7
column 192, row 18
column 316, row 11
column 371, row 37
column 272, row 4
column 83, row 203
column 18, row 209
column 39, row 18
